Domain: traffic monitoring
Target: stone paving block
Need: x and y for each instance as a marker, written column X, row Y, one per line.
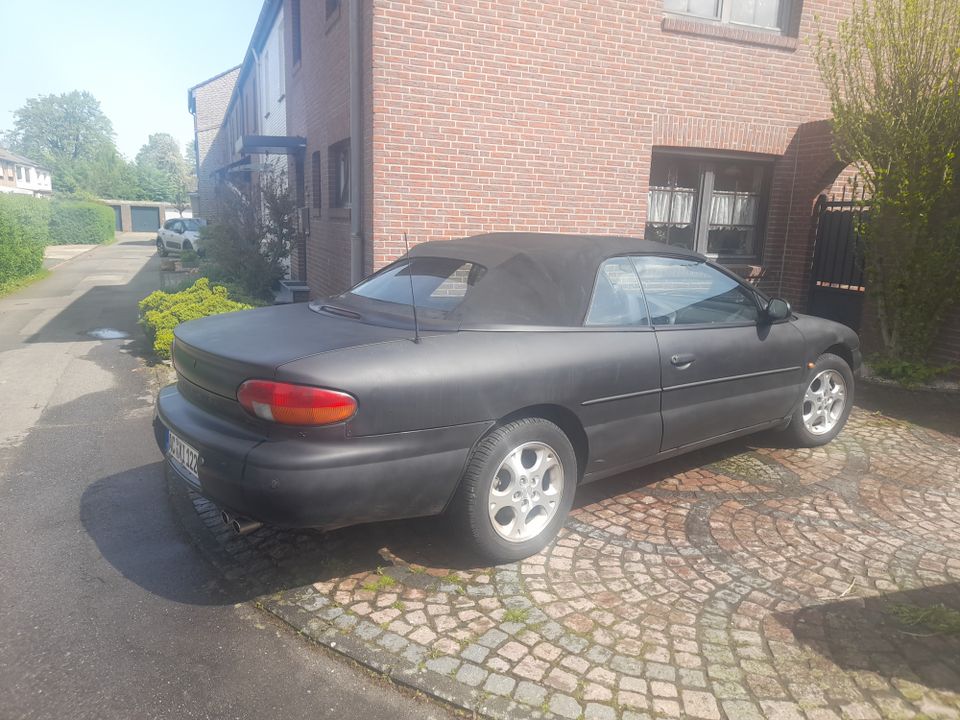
column 491, row 638
column 594, row 711
column 529, row 693
column 565, row 706
column 443, row 665
column 713, row 591
column 499, row 684
column 471, row 674
column 698, row 704
column 742, row 710
column 475, row 653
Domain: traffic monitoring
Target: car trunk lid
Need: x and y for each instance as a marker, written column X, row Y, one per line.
column 219, row 352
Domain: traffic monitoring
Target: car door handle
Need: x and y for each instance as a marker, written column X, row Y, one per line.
column 682, row 360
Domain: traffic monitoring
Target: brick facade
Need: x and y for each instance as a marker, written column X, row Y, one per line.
column 488, row 115
column 208, row 102
column 492, row 116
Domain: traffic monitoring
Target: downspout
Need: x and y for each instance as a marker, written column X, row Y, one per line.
column 356, row 143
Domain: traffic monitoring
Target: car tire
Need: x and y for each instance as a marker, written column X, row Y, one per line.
column 504, row 514
column 161, row 249
column 819, row 416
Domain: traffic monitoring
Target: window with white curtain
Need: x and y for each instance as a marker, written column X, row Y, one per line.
column 761, row 14
column 710, row 205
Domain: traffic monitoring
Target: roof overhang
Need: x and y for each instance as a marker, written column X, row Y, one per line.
column 280, row 144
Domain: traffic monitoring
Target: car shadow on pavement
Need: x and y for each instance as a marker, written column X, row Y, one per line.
column 131, row 525
column 869, row 634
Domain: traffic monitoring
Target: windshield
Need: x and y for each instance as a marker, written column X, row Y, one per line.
column 191, row 224
column 439, row 284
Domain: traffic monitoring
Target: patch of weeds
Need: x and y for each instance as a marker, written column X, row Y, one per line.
column 417, row 569
column 907, row 372
column 399, row 605
column 455, row 580
column 516, row 615
column 434, row 653
column 382, row 582
column 938, row 618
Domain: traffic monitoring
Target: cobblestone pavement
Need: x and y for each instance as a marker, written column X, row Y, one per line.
column 742, row 582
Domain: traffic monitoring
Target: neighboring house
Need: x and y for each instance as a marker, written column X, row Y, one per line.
column 22, row 176
column 700, row 123
column 208, row 102
column 247, row 126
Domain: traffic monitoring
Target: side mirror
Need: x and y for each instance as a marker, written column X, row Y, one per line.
column 778, row 309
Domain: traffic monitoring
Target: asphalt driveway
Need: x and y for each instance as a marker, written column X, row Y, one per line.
column 107, row 609
column 746, row 581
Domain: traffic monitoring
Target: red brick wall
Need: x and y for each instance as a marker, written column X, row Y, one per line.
column 318, row 96
column 497, row 115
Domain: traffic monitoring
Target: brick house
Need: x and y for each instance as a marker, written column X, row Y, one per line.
column 701, row 123
column 207, row 102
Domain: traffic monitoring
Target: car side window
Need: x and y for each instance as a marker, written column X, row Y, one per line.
column 617, row 296
column 683, row 291
column 168, row 224
column 178, row 227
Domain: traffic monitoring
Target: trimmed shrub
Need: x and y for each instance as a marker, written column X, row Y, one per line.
column 161, row 312
column 24, row 231
column 79, row 221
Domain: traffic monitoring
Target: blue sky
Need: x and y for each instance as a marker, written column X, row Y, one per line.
column 138, row 58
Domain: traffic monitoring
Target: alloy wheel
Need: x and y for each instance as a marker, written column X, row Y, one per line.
column 526, row 491
column 824, row 401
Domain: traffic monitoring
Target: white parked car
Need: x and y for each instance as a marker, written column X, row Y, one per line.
column 178, row 235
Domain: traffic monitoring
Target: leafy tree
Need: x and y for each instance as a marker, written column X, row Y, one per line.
column 893, row 74
column 61, row 131
column 163, row 171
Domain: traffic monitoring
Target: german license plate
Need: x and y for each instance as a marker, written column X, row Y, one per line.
column 185, row 456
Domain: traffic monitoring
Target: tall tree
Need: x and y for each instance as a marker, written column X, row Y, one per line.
column 60, row 130
column 163, row 170
column 893, row 74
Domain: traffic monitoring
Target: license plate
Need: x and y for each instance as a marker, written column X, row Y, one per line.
column 185, row 456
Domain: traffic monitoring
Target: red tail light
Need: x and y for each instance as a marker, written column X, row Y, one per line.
column 290, row 404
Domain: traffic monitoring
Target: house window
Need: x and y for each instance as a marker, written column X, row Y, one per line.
column 19, row 172
column 333, row 8
column 317, row 176
column 295, row 25
column 711, row 205
column 762, row 14
column 340, row 174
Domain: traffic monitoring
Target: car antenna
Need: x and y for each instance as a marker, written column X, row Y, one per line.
column 413, row 295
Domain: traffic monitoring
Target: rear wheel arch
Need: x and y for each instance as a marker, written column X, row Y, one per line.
column 564, row 419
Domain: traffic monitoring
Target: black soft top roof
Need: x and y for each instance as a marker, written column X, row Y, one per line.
column 536, row 278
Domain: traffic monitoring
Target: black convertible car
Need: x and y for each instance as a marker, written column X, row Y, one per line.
column 527, row 365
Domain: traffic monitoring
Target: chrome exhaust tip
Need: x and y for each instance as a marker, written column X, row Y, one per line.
column 226, row 517
column 244, row 526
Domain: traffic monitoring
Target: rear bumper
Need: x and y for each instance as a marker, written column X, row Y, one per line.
column 308, row 483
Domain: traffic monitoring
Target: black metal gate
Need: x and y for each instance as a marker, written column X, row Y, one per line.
column 837, row 278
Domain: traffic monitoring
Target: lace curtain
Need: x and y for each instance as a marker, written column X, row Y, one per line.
column 733, row 209
column 671, row 205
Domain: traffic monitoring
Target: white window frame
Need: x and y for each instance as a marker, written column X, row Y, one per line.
column 725, row 12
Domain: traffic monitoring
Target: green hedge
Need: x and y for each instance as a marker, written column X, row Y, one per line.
column 161, row 312
column 78, row 221
column 24, row 231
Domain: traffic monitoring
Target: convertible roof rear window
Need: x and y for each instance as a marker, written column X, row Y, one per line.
column 439, row 284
